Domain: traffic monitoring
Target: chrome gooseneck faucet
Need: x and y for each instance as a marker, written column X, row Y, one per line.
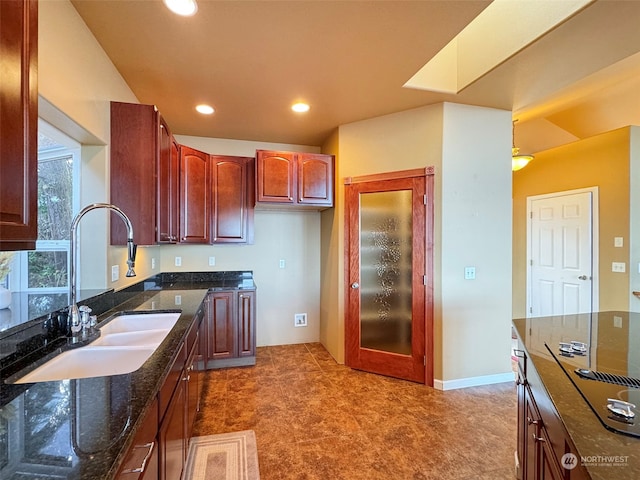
column 74, row 314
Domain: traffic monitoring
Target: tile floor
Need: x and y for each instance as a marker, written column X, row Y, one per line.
column 316, row 419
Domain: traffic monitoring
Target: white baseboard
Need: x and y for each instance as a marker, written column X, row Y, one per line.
column 473, row 381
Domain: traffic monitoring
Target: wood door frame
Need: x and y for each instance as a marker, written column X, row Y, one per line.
column 595, row 274
column 428, row 255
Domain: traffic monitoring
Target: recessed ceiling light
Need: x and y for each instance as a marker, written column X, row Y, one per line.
column 186, row 8
column 205, row 109
column 300, row 107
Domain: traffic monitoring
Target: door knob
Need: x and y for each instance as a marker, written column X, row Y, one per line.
column 355, row 285
column 582, row 277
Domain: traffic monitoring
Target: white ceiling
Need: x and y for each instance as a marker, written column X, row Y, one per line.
column 350, row 59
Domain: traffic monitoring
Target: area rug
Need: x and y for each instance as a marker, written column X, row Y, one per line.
column 227, row 456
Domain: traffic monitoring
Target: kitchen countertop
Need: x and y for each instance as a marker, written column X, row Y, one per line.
column 82, row 428
column 606, row 455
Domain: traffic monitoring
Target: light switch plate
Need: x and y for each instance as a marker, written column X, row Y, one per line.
column 469, row 273
column 618, row 242
column 115, row 273
column 618, row 267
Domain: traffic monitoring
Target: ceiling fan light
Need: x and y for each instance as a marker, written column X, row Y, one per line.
column 186, row 8
column 518, row 162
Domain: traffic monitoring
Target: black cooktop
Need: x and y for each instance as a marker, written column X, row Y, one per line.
column 600, row 353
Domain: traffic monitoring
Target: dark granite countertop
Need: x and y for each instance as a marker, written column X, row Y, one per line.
column 82, row 428
column 595, row 444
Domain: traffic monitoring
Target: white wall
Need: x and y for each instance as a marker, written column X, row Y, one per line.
column 470, row 148
column 475, row 210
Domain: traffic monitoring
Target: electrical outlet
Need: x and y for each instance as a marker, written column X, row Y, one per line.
column 300, row 320
column 153, row 264
column 281, row 263
column 115, row 273
column 618, row 242
column 212, row 261
column 178, row 300
column 617, row 321
column 178, row 261
column 469, row 273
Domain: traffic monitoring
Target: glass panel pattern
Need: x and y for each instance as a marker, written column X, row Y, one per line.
column 386, row 271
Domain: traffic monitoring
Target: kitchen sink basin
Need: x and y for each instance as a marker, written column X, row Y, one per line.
column 88, row 362
column 125, row 343
column 140, row 322
column 144, row 338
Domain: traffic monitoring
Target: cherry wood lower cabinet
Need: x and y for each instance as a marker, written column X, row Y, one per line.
column 159, row 450
column 229, row 334
column 542, row 439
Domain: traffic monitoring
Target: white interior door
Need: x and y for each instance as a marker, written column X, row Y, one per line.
column 561, row 254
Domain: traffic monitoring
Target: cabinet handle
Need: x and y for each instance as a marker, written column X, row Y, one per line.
column 187, row 378
column 537, row 439
column 531, row 421
column 141, row 468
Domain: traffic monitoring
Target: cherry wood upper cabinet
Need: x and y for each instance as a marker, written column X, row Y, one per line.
column 18, row 124
column 315, row 179
column 168, row 186
column 232, row 190
column 276, row 176
column 195, row 200
column 296, row 179
column 135, row 137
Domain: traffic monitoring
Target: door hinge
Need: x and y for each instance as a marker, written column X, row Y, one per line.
column 424, row 198
column 424, row 279
column 531, row 261
column 531, row 214
column 530, row 309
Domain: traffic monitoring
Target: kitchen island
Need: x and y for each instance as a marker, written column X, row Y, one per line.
column 87, row 428
column 565, row 429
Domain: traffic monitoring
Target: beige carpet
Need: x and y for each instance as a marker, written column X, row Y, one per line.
column 227, row 456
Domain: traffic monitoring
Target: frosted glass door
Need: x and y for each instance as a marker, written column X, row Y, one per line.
column 388, row 229
column 386, row 271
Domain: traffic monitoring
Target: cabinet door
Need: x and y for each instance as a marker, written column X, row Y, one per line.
column 172, row 436
column 232, row 188
column 315, row 179
column 168, row 186
column 276, row 176
column 246, row 324
column 194, row 196
column 193, row 390
column 19, row 125
column 134, row 156
column 221, row 326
